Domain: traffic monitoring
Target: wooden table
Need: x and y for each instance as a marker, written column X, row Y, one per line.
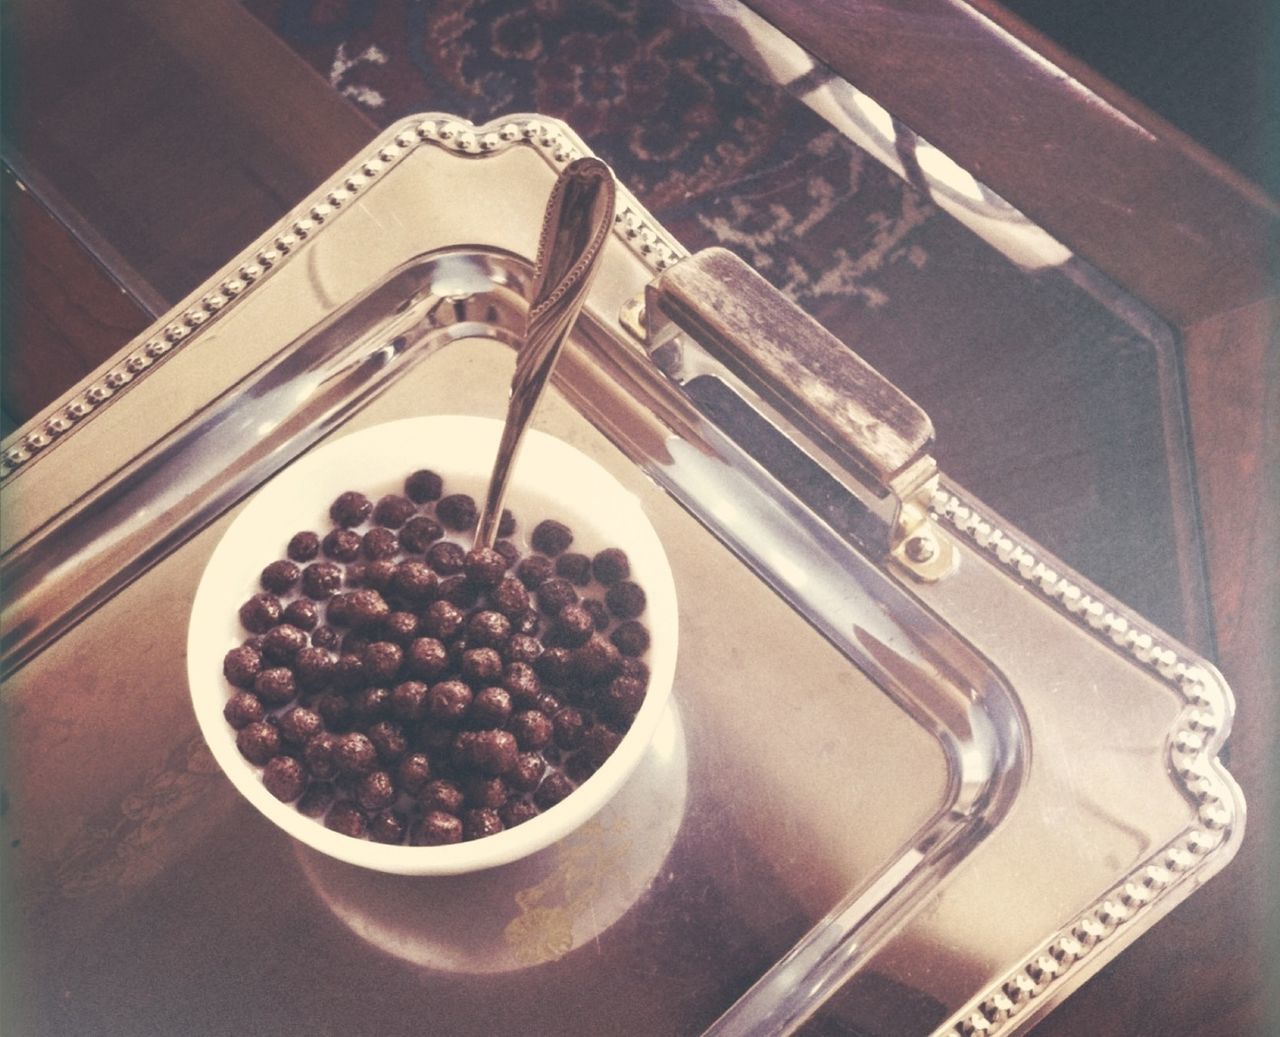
column 148, row 143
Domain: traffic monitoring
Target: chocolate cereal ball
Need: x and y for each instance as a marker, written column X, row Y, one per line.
column 242, row 665
column 413, row 772
column 517, row 812
column 630, row 637
column 400, row 627
column 554, row 788
column 393, row 511
column 532, row 729
column 258, row 742
column 527, row 772
column 625, row 599
column 388, row 826
column 437, row 829
column 350, row 509
column 389, row 741
column 279, row 577
column 303, row 547
column 418, row 534
column 423, row 486
column 485, row 566
column 551, row 537
column 284, row 778
column 354, row 755
column 521, row 648
column 598, row 659
column 260, row 613
column 488, row 629
column 446, row 558
column 414, row 583
column 378, row 543
column 426, row 658
column 491, row 707
column 534, row 570
column 342, row 545
column 441, row 795
column 448, row 702
column 477, row 824
column 554, row 594
column 623, row 698
column 313, row 668
column 611, row 565
column 442, row 620
column 321, row 580
column 458, row 512
column 347, row 818
column 574, row 567
column 521, row 682
column 375, row 791
column 369, row 705
column 481, row 666
column 568, row 725
column 275, row 686
column 301, row 613
column 319, row 755
column 242, row 709
column 365, row 609
column 510, row 596
column 382, row 661
column 299, row 725
column 494, row 751
column 488, row 792
column 282, row 643
column 409, row 701
column 574, row 625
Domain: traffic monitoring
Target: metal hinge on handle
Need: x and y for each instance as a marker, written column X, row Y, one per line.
column 711, row 317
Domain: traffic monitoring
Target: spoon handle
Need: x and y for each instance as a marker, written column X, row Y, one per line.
column 576, row 225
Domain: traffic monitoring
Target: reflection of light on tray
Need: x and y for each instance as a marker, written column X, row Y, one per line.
column 532, row 911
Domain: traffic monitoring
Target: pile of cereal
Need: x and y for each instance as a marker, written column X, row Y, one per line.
column 403, row 688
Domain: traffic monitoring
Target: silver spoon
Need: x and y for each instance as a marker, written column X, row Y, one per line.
column 576, row 225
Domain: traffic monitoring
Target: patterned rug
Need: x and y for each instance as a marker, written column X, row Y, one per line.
column 715, row 153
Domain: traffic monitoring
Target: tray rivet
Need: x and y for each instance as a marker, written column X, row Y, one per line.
column 921, row 549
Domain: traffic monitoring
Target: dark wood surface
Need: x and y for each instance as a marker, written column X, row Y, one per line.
column 163, row 137
column 248, row 129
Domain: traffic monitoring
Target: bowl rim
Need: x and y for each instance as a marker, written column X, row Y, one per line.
column 378, row 454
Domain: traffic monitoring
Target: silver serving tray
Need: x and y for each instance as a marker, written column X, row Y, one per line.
column 893, row 796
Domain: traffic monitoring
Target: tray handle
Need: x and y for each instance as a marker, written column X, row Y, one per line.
column 821, row 390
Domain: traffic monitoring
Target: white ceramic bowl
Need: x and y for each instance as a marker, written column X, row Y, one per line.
column 551, row 480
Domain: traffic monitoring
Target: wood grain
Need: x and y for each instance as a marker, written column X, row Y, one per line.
column 62, row 314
